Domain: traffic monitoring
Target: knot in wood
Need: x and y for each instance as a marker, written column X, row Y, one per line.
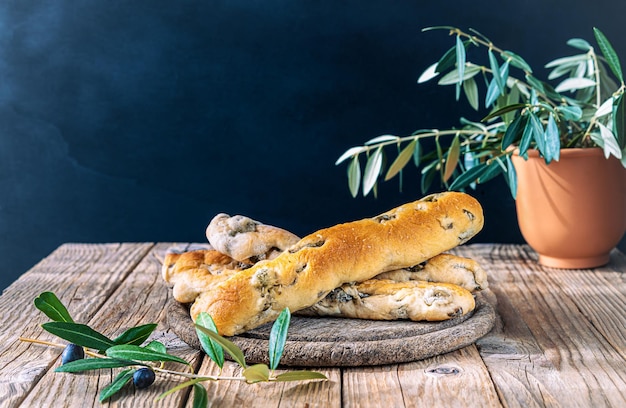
column 444, row 370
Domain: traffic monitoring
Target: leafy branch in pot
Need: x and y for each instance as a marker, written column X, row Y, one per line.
column 586, row 108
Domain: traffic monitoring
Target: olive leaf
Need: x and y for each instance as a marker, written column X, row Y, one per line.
column 401, row 161
column 136, row 335
column 495, row 71
column 372, row 170
column 80, row 334
column 210, row 347
column 453, row 158
column 123, row 378
column 183, row 385
column 230, row 347
column 553, row 144
column 619, row 121
column 278, row 337
column 609, row 53
column 470, row 176
column 471, row 92
column 460, row 58
column 511, row 176
column 354, row 176
column 300, row 375
column 88, row 364
column 579, row 43
column 52, row 307
column 200, row 396
column 256, row 373
column 131, row 352
column 156, row 346
column 517, row 61
column 512, row 132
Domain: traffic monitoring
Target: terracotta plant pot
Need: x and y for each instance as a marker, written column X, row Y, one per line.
column 571, row 212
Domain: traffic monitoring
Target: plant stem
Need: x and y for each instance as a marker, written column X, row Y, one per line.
column 58, row 345
column 158, row 369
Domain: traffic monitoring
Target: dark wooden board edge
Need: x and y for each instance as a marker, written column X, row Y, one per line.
column 355, row 353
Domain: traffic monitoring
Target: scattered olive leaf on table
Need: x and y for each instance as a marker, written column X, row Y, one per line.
column 88, row 349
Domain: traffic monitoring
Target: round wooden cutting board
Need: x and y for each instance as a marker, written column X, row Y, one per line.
column 340, row 342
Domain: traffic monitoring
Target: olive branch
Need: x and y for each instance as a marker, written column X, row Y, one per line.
column 141, row 362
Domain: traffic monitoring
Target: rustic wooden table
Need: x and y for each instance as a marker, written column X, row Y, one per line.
column 560, row 340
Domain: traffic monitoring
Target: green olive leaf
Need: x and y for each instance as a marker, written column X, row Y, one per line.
column 230, row 347
column 118, row 383
column 470, row 176
column 516, row 61
column 372, row 170
column 200, row 396
column 619, row 121
column 428, row 74
column 130, row 352
column 495, row 70
column 136, row 335
column 52, row 307
column 553, row 143
column 609, row 142
column 579, row 43
column 512, row 132
column 570, row 112
column 183, row 385
column 503, row 110
column 354, row 176
column 80, row 334
column 210, row 347
column 470, row 89
column 278, row 337
column 494, row 168
column 460, row 58
column 609, row 54
column 351, row 152
column 300, row 375
column 87, row 364
column 156, row 346
column 527, row 137
column 256, row 373
column 454, row 152
column 401, row 161
column 511, row 176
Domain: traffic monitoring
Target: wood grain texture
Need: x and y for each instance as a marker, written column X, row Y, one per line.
column 339, row 342
column 310, row 394
column 559, row 340
column 69, row 271
column 139, row 299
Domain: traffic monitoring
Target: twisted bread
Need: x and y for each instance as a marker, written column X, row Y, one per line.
column 464, row 272
column 350, row 252
column 241, row 237
column 384, row 299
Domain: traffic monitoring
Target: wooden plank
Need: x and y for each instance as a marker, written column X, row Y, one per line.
column 561, row 339
column 310, row 394
column 458, row 378
column 455, row 379
column 69, row 272
column 139, row 299
column 374, row 387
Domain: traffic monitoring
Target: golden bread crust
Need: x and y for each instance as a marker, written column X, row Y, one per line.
column 194, row 272
column 350, row 252
column 443, row 268
column 241, row 237
column 384, row 299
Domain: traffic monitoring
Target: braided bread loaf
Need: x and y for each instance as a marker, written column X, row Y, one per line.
column 351, row 252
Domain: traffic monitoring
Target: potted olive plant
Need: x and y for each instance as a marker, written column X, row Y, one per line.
column 560, row 143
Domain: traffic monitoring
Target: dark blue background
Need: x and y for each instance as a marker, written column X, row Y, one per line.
column 140, row 120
